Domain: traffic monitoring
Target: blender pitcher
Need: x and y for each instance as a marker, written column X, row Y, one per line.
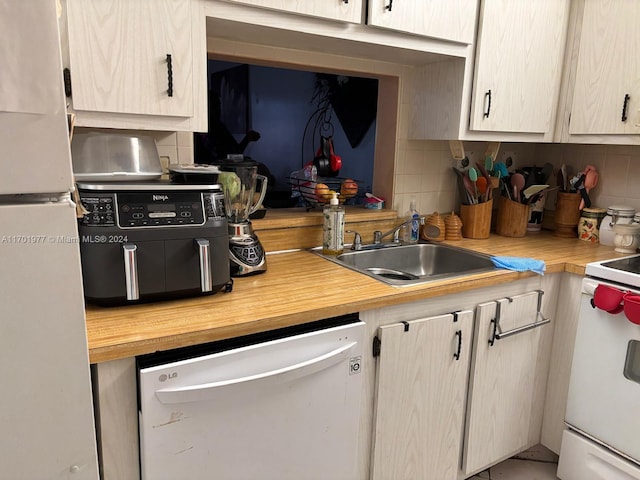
column 238, row 177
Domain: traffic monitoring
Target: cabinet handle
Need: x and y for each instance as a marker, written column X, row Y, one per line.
column 457, row 354
column 487, row 100
column 525, row 328
column 390, row 6
column 498, row 334
column 345, row 1
column 169, row 76
column 625, row 105
column 494, row 331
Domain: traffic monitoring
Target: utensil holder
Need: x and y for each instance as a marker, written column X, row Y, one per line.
column 512, row 218
column 476, row 219
column 567, row 215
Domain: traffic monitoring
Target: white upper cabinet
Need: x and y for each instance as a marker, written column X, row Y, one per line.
column 342, row 10
column 518, row 65
column 131, row 57
column 606, row 98
column 452, row 20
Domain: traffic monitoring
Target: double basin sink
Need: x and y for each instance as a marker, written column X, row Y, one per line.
column 413, row 264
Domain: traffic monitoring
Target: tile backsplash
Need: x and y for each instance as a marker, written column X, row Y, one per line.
column 618, row 168
column 423, row 171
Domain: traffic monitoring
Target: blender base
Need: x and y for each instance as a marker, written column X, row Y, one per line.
column 246, row 254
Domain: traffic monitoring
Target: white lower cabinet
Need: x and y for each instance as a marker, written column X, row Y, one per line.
column 437, row 416
column 502, row 381
column 418, row 428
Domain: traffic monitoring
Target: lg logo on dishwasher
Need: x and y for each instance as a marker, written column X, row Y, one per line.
column 164, row 377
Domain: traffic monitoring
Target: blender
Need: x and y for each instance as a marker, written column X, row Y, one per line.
column 238, row 177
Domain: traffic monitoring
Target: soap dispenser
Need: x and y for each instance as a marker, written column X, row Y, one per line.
column 333, row 227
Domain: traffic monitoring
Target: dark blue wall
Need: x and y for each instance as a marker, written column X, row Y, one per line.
column 280, row 106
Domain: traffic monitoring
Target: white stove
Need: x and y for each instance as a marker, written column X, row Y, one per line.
column 624, row 270
column 601, row 441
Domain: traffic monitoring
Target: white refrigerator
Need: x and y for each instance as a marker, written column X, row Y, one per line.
column 46, row 417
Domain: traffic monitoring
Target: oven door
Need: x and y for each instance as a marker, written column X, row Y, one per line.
column 604, row 391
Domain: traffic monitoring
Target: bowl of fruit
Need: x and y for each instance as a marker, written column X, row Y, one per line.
column 321, row 190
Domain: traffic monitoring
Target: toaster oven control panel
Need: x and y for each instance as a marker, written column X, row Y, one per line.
column 151, row 209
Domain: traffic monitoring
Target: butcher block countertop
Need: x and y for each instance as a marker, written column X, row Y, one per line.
column 299, row 287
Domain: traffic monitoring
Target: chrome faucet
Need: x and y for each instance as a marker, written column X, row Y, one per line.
column 378, row 235
column 357, row 240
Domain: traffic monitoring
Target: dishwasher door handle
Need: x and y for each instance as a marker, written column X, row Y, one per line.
column 214, row 390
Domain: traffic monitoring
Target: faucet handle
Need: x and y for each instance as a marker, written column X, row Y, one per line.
column 357, row 240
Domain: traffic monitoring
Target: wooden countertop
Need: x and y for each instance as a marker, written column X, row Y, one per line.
column 300, row 287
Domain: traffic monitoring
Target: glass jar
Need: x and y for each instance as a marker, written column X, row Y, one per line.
column 616, row 214
column 589, row 224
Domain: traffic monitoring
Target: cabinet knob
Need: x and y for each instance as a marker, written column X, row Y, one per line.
column 390, row 6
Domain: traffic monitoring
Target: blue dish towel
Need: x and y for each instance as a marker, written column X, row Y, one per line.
column 520, row 264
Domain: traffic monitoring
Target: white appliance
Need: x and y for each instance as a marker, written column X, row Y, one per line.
column 602, row 441
column 279, row 409
column 46, row 421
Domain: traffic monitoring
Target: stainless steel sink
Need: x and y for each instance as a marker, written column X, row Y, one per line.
column 415, row 264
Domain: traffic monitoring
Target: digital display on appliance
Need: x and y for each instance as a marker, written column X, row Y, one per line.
column 161, row 207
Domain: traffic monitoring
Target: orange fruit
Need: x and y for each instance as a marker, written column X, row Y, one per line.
column 349, row 188
column 323, row 192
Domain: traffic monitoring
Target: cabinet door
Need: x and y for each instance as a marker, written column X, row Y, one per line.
column 502, row 379
column 118, row 54
column 421, row 385
column 608, row 69
column 342, row 10
column 446, row 19
column 518, row 65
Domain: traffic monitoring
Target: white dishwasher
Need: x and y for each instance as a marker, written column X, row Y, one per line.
column 275, row 406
